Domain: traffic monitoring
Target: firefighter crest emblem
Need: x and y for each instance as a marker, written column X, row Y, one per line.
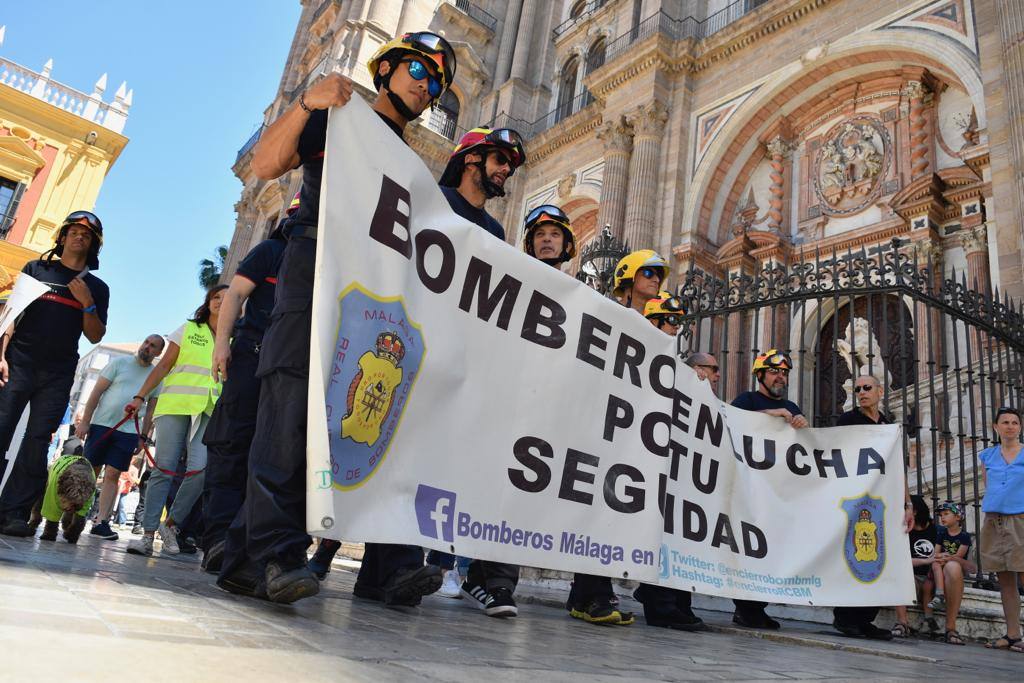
column 864, row 543
column 377, row 356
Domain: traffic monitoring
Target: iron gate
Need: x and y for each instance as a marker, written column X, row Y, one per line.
column 947, row 353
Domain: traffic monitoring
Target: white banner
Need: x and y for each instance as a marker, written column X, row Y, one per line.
column 477, row 401
column 26, row 290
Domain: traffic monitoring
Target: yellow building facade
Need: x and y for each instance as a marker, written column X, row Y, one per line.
column 57, row 145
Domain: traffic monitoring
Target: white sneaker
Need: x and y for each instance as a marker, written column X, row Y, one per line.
column 141, row 546
column 451, row 586
column 170, row 538
column 938, row 602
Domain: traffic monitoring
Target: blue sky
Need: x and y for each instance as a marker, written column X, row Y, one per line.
column 203, row 72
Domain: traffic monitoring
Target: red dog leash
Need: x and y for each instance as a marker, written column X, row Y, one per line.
column 145, row 448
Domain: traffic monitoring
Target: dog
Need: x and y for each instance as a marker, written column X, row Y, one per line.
column 70, row 488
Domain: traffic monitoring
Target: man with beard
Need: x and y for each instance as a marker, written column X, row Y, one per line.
column 104, row 445
column 771, row 369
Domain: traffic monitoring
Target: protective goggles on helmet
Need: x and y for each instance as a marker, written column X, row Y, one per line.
column 511, row 140
column 778, row 360
column 672, row 319
column 91, row 219
column 418, row 71
column 546, row 212
column 435, row 46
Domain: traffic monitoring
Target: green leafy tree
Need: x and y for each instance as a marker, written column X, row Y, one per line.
column 210, row 269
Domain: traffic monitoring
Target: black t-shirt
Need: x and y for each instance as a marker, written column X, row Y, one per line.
column 856, row 417
column 312, row 142
column 949, row 543
column 260, row 267
column 471, row 213
column 755, row 400
column 47, row 333
column 922, row 546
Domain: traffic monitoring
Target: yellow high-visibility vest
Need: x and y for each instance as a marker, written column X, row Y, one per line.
column 189, row 388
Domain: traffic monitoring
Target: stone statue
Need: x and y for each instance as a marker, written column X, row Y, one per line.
column 854, row 348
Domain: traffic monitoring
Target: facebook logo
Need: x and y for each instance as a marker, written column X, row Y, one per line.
column 435, row 512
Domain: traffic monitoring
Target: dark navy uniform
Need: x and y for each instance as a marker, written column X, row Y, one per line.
column 490, row 575
column 41, row 357
column 233, row 423
column 271, row 524
column 857, row 617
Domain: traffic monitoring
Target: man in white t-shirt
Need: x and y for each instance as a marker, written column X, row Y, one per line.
column 115, row 387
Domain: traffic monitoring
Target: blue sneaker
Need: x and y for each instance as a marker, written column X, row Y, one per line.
column 103, row 530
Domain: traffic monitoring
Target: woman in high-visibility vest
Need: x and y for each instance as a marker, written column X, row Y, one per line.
column 187, row 396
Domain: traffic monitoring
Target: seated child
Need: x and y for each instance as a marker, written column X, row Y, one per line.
column 949, row 566
column 69, row 492
column 922, row 552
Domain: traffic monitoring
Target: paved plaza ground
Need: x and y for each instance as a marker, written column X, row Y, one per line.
column 91, row 612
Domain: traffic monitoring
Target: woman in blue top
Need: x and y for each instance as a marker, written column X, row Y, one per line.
column 1002, row 536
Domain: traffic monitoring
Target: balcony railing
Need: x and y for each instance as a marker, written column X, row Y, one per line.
column 250, row 143
column 531, row 129
column 589, row 11
column 89, row 107
column 478, row 14
column 443, row 122
column 676, row 29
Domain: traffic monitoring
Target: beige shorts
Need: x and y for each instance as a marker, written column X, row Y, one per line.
column 1002, row 543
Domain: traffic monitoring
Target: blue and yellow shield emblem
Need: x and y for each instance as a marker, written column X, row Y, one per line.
column 377, row 357
column 864, row 543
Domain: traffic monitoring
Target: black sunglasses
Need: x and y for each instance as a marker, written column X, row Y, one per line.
column 712, row 368
column 863, row 387
column 671, row 319
column 650, row 273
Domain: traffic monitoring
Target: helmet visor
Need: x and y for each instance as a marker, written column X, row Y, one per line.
column 436, row 46
column 511, row 140
column 546, row 212
column 91, row 219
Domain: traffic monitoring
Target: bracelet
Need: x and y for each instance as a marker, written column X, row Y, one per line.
column 302, row 103
column 141, row 398
column 89, row 309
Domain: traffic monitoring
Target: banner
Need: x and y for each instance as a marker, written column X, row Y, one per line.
column 26, row 290
column 468, row 398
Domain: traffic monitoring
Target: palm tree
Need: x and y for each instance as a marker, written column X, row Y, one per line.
column 210, row 270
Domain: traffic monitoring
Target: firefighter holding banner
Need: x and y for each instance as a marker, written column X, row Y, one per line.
column 548, row 237
column 635, row 276
column 476, row 171
column 265, row 553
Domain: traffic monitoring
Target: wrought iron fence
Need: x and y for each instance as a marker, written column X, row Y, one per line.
column 947, row 351
column 598, row 260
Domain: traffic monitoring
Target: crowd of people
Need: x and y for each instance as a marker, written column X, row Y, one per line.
column 227, row 402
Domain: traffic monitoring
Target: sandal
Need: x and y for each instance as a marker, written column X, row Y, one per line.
column 901, row 630
column 953, row 638
column 1003, row 642
column 1017, row 647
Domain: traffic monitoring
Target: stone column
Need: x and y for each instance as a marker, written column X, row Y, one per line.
column 521, row 55
column 918, row 97
column 930, row 346
column 975, row 244
column 385, row 14
column 508, row 42
column 1010, row 16
column 778, row 152
column 617, row 137
column 648, row 124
